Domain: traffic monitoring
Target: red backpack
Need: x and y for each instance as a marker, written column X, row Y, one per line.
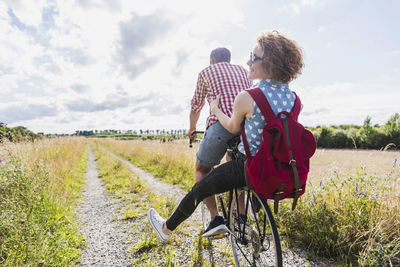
column 280, row 167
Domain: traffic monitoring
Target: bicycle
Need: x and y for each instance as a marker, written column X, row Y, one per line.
column 252, row 233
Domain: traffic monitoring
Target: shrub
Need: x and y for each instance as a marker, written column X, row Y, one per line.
column 347, row 218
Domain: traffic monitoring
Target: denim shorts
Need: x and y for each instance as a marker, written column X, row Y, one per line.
column 213, row 145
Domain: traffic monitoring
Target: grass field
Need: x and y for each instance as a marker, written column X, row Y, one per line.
column 332, row 162
column 40, row 184
column 350, row 211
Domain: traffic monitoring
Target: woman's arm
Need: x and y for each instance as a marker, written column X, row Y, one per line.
column 242, row 107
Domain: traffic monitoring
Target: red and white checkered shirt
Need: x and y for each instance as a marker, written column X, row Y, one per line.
column 222, row 79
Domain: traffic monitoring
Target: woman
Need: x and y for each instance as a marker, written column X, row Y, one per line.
column 275, row 61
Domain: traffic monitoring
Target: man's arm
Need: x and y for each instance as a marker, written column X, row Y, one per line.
column 193, row 118
column 197, row 102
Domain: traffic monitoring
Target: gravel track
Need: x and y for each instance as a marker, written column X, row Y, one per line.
column 106, row 242
column 109, row 241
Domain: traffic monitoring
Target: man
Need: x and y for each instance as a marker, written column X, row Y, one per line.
column 227, row 80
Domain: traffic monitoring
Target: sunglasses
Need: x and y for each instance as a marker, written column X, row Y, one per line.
column 254, row 58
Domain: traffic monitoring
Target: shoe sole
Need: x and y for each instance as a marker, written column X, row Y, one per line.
column 155, row 228
column 221, row 229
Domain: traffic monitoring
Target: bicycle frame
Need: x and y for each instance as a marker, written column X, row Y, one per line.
column 254, row 239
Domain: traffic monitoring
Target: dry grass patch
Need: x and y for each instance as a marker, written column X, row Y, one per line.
column 172, row 162
column 39, row 186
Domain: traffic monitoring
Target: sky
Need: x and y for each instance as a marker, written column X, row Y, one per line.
column 68, row 65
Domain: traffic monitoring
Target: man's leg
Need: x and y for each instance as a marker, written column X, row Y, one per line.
column 211, row 150
column 211, row 203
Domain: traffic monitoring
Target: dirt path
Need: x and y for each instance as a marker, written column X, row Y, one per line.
column 106, row 242
column 160, row 187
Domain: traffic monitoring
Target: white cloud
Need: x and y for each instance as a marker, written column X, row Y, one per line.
column 77, row 74
column 4, row 12
column 295, row 8
column 28, row 12
column 308, row 2
column 74, row 57
column 344, row 103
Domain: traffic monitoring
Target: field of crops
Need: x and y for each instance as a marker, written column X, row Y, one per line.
column 350, row 212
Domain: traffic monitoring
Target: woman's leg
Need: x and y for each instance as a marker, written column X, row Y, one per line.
column 223, row 178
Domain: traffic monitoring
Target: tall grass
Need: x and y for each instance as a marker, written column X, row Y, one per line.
column 167, row 161
column 39, row 186
column 355, row 219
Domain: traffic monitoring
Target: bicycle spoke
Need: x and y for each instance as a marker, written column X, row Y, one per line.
column 255, row 241
column 244, row 253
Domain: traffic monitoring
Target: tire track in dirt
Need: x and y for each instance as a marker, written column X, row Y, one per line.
column 158, row 186
column 106, row 242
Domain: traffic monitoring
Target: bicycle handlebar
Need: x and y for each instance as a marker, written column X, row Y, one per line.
column 191, row 140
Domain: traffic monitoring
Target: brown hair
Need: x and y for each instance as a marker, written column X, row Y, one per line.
column 283, row 58
column 221, row 54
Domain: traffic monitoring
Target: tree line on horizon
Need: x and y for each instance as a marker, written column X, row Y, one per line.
column 131, row 132
column 17, row 134
column 367, row 136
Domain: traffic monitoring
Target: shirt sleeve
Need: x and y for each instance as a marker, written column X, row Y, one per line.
column 249, row 83
column 200, row 93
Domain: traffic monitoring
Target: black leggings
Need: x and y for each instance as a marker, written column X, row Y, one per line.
column 223, row 178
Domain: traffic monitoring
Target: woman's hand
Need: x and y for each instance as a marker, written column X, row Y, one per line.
column 214, row 104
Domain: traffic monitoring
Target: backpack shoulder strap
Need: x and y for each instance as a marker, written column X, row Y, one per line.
column 297, row 107
column 262, row 103
column 244, row 140
column 265, row 109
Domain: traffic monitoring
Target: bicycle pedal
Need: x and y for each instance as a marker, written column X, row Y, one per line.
column 219, row 236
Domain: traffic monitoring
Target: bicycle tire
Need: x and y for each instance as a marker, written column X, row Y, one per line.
column 258, row 246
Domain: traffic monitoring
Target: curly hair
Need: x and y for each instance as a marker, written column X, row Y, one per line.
column 283, row 58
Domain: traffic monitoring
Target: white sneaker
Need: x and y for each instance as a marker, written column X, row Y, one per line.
column 157, row 222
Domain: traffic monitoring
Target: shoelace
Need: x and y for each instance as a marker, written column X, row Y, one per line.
column 158, row 218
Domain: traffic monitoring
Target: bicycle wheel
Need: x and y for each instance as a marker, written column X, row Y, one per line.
column 254, row 239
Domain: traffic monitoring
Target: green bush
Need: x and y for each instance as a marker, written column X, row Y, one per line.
column 366, row 137
column 16, row 134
